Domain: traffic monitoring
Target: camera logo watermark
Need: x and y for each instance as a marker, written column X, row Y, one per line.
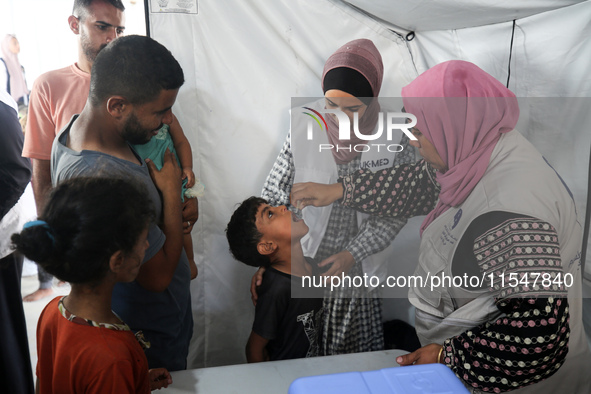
column 345, row 129
column 317, row 121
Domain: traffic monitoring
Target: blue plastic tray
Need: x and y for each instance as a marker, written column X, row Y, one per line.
column 414, row 379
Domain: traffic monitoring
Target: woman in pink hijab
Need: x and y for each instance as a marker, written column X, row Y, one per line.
column 12, row 76
column 340, row 240
column 499, row 300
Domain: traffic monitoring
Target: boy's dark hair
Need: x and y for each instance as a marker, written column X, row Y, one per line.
column 135, row 67
column 88, row 219
column 81, row 7
column 243, row 235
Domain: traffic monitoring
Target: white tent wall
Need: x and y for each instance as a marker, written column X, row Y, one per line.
column 245, row 60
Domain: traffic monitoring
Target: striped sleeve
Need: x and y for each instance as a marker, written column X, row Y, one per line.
column 529, row 341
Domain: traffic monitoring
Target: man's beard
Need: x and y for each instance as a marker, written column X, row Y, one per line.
column 134, row 133
column 90, row 52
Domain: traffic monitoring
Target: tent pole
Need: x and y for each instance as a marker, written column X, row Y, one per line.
column 147, row 16
column 587, row 220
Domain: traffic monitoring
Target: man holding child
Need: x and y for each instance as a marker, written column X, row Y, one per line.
column 133, row 86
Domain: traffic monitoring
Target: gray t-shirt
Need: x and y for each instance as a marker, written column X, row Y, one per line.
column 164, row 318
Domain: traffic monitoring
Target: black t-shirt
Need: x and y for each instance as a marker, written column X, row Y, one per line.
column 293, row 326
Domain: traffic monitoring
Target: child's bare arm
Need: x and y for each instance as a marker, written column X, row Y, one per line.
column 256, row 348
column 183, row 150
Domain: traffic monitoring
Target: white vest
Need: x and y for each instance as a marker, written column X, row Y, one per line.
column 315, row 165
column 517, row 180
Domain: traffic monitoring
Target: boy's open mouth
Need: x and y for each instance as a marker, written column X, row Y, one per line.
column 296, row 214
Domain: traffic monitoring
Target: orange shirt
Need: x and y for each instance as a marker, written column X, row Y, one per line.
column 56, row 96
column 81, row 358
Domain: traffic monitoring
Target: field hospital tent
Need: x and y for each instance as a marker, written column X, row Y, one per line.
column 244, row 60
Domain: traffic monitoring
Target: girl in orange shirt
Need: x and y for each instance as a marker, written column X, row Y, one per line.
column 91, row 234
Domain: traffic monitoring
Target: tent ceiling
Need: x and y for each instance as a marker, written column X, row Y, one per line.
column 422, row 15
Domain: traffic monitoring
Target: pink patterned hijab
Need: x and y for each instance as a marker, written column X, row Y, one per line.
column 362, row 56
column 18, row 85
column 463, row 111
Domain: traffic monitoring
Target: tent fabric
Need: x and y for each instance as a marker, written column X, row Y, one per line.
column 424, row 15
column 245, row 59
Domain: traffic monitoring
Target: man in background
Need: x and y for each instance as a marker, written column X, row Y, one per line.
column 59, row 94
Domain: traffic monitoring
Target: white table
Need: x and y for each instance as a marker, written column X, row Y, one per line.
column 275, row 376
